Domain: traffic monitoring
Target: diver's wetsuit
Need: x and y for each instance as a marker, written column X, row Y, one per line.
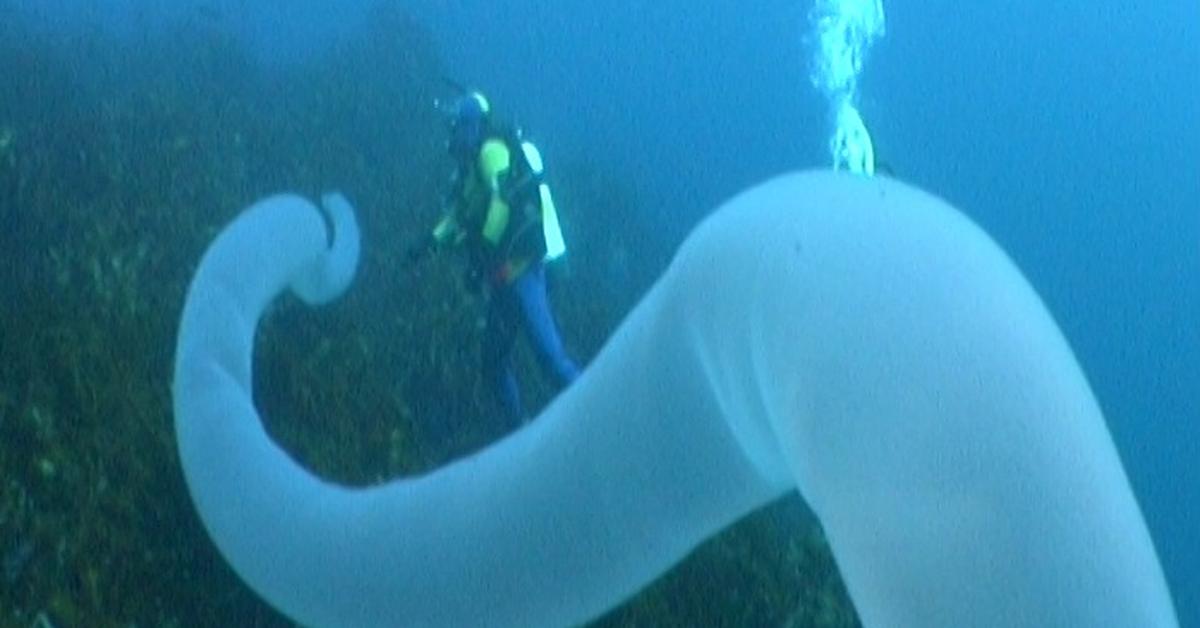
column 498, row 216
column 523, row 304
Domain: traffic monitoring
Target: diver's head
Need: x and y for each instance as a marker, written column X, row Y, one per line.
column 468, row 124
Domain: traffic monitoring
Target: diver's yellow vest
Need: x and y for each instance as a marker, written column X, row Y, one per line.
column 495, row 163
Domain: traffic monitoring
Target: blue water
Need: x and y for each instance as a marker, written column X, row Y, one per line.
column 1070, row 130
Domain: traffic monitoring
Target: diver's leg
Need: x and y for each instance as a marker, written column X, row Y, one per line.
column 499, row 337
column 530, row 289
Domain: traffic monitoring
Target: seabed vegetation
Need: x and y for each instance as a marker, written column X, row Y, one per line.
column 120, row 158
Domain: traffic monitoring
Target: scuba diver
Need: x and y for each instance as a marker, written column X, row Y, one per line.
column 500, row 210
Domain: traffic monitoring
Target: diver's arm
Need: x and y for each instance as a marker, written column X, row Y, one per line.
column 447, row 231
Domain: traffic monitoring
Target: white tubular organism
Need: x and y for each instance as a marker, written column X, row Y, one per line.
column 855, row 339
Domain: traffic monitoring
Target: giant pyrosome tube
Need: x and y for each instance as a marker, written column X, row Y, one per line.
column 853, row 338
column 842, row 32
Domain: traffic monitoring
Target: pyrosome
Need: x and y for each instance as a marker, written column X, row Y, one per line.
column 852, row 338
column 842, row 33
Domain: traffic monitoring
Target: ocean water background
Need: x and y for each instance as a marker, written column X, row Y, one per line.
column 1068, row 130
